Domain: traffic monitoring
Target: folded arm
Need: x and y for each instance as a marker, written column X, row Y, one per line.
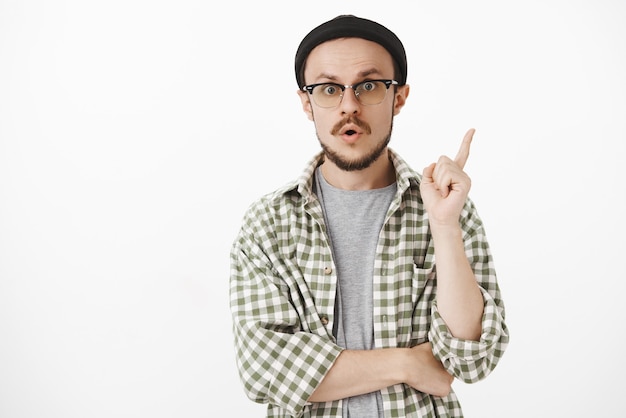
column 356, row 372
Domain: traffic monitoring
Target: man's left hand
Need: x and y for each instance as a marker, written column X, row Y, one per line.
column 445, row 185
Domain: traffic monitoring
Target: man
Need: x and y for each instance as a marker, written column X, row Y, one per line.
column 339, row 307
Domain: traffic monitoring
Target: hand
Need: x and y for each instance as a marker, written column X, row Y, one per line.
column 445, row 185
column 428, row 375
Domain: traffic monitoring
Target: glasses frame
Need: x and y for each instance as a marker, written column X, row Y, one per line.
column 388, row 83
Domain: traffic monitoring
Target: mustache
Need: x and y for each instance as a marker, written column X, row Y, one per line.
column 354, row 120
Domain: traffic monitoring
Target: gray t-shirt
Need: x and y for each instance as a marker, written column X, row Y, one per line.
column 354, row 219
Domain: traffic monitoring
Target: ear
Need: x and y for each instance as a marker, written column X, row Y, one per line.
column 401, row 94
column 306, row 104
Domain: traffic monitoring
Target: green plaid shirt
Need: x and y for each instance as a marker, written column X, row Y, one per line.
column 282, row 296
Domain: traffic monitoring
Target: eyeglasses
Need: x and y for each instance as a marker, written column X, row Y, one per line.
column 368, row 92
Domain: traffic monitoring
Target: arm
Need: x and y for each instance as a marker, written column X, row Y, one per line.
column 468, row 331
column 356, row 372
column 445, row 187
column 459, row 299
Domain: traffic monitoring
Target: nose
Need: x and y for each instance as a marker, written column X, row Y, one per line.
column 349, row 102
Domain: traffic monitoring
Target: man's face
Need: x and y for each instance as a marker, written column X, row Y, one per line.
column 352, row 134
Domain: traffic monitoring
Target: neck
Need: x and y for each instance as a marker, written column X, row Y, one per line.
column 379, row 174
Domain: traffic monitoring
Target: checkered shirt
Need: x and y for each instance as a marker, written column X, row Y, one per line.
column 282, row 295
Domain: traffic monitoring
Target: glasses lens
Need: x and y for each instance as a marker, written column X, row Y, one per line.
column 370, row 92
column 327, row 95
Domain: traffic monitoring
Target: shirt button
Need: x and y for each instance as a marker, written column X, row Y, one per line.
column 324, row 320
column 327, row 270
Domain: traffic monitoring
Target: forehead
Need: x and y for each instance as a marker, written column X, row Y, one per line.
column 347, row 60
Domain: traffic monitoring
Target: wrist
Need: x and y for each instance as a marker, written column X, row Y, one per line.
column 405, row 365
column 446, row 230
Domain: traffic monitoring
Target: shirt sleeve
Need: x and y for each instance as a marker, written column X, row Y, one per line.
column 279, row 362
column 471, row 361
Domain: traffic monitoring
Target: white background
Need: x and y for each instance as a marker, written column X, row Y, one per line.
column 133, row 135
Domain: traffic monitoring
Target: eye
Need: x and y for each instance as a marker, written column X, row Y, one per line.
column 368, row 86
column 330, row 89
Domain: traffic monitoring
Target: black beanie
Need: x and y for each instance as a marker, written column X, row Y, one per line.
column 349, row 26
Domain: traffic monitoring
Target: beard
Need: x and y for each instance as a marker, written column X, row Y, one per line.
column 362, row 162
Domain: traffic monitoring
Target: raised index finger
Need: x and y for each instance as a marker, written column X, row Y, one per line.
column 461, row 156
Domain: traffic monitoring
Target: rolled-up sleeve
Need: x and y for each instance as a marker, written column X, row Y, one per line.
column 467, row 360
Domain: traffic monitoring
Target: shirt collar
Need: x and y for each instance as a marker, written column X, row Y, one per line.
column 406, row 177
